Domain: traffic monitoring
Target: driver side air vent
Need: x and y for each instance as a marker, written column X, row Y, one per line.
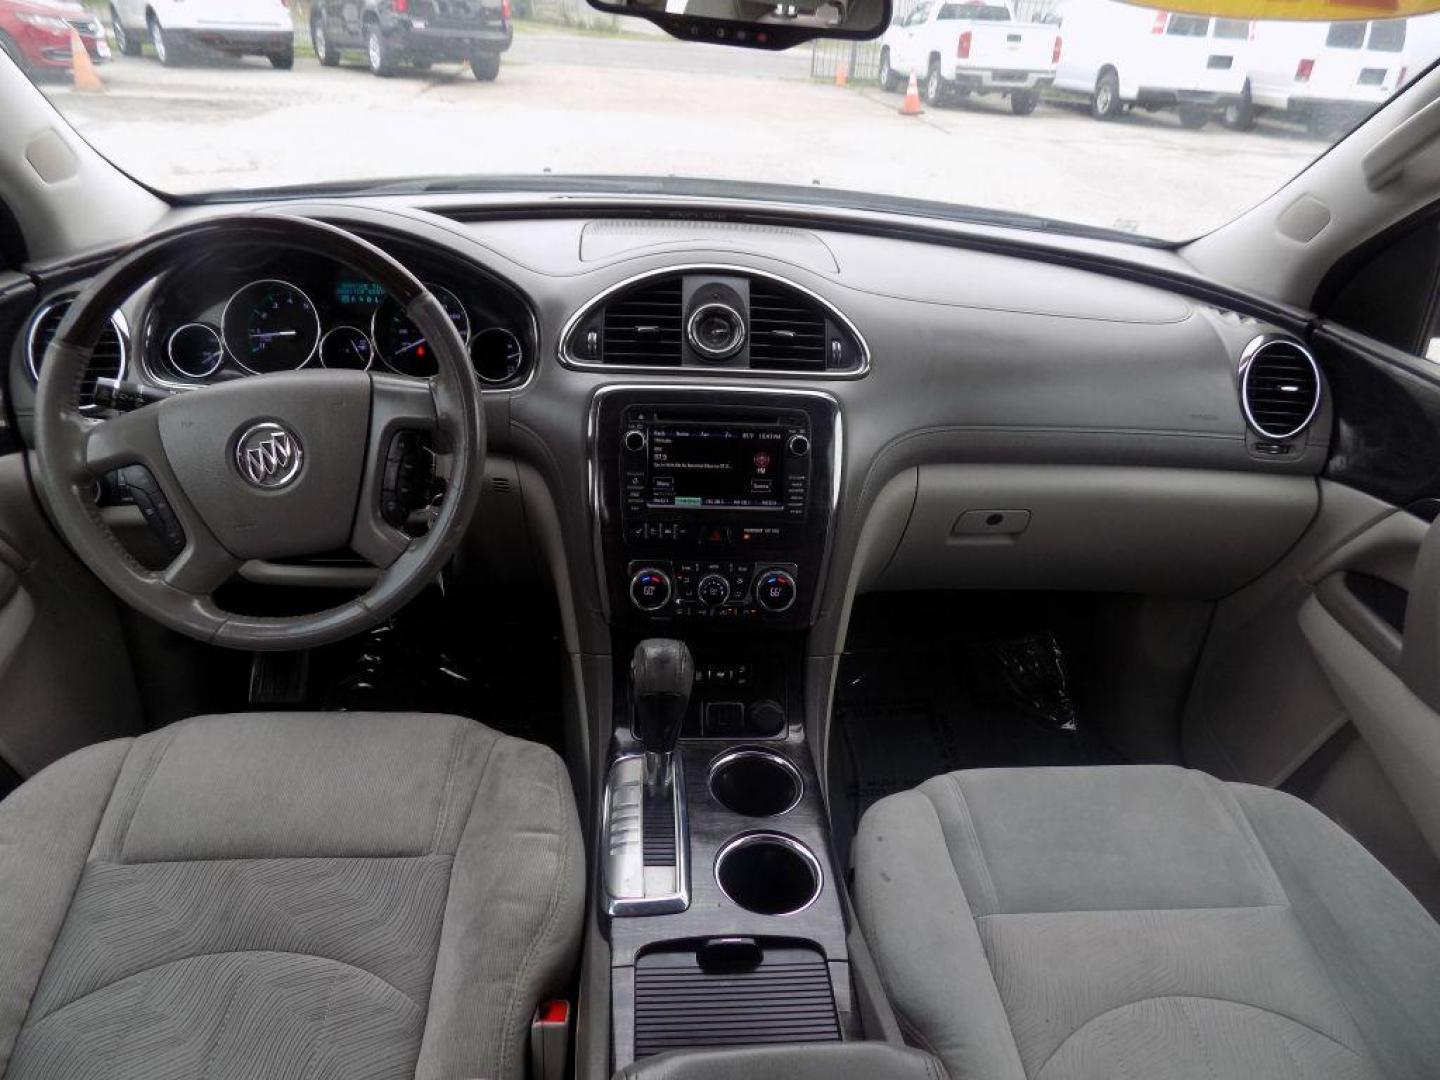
column 1279, row 387
column 107, row 362
column 643, row 326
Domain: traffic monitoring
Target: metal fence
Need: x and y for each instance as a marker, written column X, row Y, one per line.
column 861, row 59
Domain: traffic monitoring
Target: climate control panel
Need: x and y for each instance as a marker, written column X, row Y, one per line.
column 713, row 590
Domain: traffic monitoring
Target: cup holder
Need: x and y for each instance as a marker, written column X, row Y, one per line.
column 769, row 873
column 755, row 783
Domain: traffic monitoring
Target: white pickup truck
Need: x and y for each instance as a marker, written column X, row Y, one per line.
column 963, row 47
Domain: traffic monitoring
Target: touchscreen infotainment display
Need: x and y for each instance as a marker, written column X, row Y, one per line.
column 696, row 466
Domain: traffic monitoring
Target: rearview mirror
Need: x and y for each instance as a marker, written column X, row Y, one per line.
column 756, row 24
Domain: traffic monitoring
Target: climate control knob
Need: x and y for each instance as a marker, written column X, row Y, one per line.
column 713, row 590
column 775, row 590
column 650, row 588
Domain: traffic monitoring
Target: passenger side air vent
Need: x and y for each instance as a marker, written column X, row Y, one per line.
column 787, row 329
column 643, row 326
column 1279, row 386
column 107, row 362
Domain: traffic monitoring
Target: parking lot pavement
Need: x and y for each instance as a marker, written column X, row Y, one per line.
column 566, row 104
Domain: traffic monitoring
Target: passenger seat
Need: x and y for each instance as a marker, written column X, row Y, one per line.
column 1142, row 922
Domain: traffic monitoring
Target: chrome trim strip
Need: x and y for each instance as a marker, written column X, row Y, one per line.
column 744, row 752
column 1252, row 349
column 750, row 840
column 117, row 320
column 669, row 903
column 569, row 360
column 837, row 462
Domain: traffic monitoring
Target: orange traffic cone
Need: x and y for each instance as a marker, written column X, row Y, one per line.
column 86, row 78
column 911, row 105
column 842, row 73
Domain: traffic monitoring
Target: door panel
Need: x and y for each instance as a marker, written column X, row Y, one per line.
column 1323, row 677
column 65, row 673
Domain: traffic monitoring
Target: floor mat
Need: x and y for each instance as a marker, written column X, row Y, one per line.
column 484, row 657
column 913, row 709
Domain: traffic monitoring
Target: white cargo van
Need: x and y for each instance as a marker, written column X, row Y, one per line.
column 1118, row 55
column 1330, row 76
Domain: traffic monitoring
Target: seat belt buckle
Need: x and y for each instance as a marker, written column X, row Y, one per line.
column 550, row 1040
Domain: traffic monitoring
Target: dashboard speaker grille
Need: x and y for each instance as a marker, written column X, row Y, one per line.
column 643, row 326
column 107, row 361
column 787, row 329
column 1279, row 387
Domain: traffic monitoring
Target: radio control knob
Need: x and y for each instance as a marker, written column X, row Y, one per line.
column 650, row 588
column 634, row 440
column 799, row 445
column 775, row 590
column 713, row 590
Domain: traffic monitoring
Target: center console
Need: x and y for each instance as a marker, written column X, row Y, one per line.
column 723, row 906
column 713, row 505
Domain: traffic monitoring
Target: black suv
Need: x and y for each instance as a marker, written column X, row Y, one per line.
column 415, row 32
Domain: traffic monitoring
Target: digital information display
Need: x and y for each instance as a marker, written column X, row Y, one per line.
column 352, row 292
column 700, row 466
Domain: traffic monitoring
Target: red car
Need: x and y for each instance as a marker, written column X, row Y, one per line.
column 36, row 34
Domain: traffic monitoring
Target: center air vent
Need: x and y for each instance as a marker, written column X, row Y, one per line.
column 787, row 329
column 701, row 319
column 1279, row 386
column 107, row 361
column 643, row 326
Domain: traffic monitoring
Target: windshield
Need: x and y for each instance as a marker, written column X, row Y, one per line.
column 1077, row 113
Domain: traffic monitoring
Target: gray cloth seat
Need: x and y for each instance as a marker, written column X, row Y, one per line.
column 287, row 895
column 1142, row 922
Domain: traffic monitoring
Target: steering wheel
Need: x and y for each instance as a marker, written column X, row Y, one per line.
column 265, row 467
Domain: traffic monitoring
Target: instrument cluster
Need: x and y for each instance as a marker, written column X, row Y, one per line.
column 260, row 312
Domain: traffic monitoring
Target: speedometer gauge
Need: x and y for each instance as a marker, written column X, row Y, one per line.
column 269, row 326
column 399, row 341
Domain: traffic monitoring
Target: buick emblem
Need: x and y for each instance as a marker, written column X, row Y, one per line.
column 268, row 455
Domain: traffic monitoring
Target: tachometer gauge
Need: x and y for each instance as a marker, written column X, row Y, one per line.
column 194, row 351
column 496, row 354
column 399, row 341
column 269, row 326
column 346, row 347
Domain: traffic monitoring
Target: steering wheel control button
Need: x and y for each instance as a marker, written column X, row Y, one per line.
column 713, row 590
column 650, row 589
column 715, row 331
column 268, row 455
column 775, row 590
column 138, row 484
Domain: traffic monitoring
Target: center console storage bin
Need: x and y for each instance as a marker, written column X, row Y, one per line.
column 697, row 994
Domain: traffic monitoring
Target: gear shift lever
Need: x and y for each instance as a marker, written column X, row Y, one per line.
column 662, row 673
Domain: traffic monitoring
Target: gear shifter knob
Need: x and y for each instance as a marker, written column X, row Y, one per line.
column 662, row 673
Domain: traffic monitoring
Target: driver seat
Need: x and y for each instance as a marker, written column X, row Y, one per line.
column 285, row 895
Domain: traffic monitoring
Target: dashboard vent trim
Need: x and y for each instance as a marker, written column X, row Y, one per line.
column 1280, row 386
column 643, row 326
column 587, row 323
column 108, row 361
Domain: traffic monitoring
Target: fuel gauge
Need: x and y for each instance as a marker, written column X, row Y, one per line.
column 347, row 348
